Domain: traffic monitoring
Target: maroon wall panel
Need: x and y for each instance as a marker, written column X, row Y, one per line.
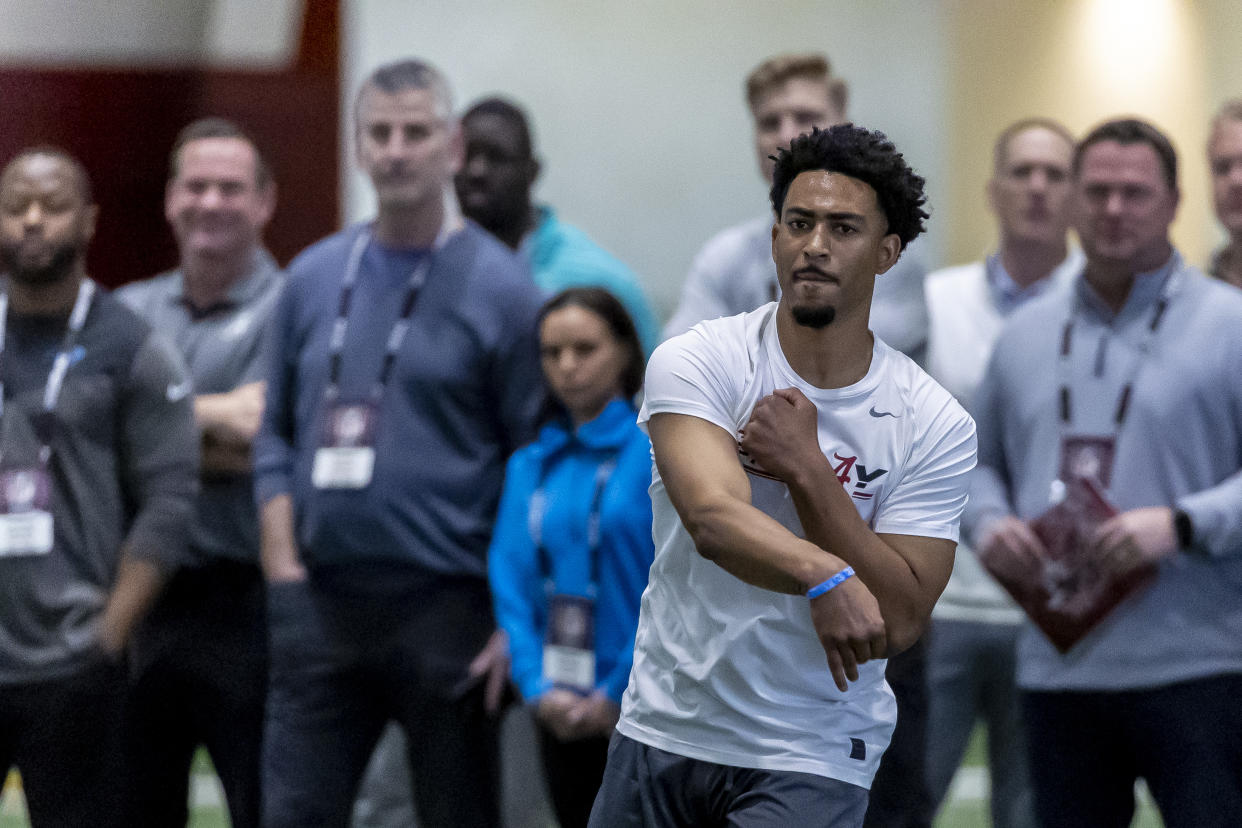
column 121, row 124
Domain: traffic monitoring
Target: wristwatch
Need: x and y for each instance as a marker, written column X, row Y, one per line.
column 1185, row 529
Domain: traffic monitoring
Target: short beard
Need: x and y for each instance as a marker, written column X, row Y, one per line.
column 59, row 267
column 815, row 316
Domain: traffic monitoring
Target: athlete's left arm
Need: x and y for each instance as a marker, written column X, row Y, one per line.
column 905, row 573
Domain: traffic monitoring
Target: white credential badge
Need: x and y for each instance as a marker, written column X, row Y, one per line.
column 26, row 518
column 569, row 654
column 346, row 457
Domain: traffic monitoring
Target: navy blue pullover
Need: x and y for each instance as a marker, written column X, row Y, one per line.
column 465, row 391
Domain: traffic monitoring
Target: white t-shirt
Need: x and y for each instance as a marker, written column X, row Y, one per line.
column 734, row 674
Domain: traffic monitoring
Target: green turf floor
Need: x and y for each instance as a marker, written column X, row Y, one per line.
column 968, row 809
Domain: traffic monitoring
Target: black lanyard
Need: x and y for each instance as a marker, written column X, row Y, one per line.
column 538, row 510
column 60, row 366
column 1065, row 402
column 336, row 344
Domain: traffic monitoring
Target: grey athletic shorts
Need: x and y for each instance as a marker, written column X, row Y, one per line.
column 652, row 788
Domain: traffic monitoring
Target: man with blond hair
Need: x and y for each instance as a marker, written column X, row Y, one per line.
column 733, row 272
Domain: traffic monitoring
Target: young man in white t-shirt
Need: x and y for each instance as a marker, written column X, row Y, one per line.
column 809, row 481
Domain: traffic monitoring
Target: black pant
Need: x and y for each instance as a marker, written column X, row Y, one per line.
column 1088, row 748
column 574, row 771
column 200, row 677
column 346, row 662
column 65, row 736
column 899, row 795
column 645, row 787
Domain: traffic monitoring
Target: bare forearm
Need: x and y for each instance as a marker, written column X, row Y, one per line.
column 231, row 417
column 753, row 547
column 831, row 521
column 698, row 464
column 210, row 412
column 277, row 550
column 138, row 583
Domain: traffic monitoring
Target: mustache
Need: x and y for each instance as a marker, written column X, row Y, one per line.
column 817, row 272
column 394, row 170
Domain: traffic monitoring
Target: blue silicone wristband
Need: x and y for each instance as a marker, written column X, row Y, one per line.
column 816, row 591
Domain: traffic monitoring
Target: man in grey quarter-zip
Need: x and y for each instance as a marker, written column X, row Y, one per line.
column 98, row 470
column 1126, row 379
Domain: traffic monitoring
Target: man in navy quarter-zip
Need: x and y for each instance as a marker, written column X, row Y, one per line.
column 98, row 471
column 403, row 371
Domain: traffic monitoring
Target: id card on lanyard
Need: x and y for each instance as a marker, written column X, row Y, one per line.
column 26, row 524
column 569, row 641
column 1068, row 591
column 345, row 457
column 1091, row 456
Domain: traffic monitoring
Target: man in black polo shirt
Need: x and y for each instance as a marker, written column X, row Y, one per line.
column 201, row 657
column 97, row 479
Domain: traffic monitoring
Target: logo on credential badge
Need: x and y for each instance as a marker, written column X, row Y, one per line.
column 24, row 489
column 20, row 489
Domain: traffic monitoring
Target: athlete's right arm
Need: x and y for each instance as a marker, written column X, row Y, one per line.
column 698, row 464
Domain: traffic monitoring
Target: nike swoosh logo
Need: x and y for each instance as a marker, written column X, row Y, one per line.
column 875, row 413
column 179, row 391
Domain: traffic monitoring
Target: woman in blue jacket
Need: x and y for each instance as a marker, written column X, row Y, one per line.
column 572, row 544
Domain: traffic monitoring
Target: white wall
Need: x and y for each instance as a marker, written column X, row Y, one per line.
column 638, row 107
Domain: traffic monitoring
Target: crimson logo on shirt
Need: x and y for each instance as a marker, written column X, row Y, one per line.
column 847, row 466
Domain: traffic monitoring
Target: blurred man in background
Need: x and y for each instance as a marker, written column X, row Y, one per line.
column 975, row 624
column 97, row 484
column 404, row 369
column 1225, row 162
column 200, row 660
column 1124, row 383
column 495, row 185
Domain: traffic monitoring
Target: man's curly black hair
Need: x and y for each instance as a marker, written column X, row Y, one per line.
column 863, row 154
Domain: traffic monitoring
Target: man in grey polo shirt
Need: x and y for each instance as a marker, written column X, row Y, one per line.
column 201, row 658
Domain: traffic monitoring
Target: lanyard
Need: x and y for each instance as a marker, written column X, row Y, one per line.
column 336, row 344
column 60, row 366
column 1172, row 282
column 539, row 508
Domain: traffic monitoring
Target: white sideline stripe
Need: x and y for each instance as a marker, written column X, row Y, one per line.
column 970, row 783
column 205, row 791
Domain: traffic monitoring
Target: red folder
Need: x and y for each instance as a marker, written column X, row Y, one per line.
column 1068, row 592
